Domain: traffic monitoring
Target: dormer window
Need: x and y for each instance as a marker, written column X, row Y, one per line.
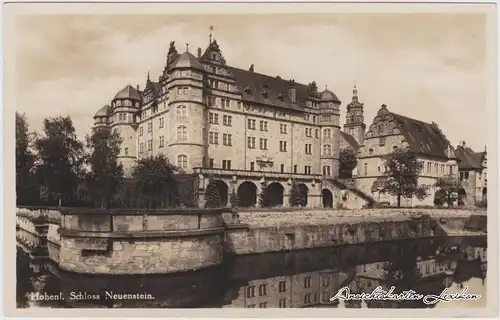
column 214, row 57
column 248, row 90
column 264, row 94
column 280, row 96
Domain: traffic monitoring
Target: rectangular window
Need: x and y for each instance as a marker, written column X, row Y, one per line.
column 308, row 148
column 150, row 127
column 126, row 151
column 213, row 137
column 282, row 286
column 295, row 168
column 316, row 133
column 141, row 147
column 262, row 289
column 179, row 90
column 366, row 169
column 263, row 125
column 162, row 122
column 283, row 128
column 251, row 142
column 308, row 132
column 141, row 130
column 263, row 144
column 250, row 291
column 263, row 305
column 162, row 141
column 252, row 166
column 326, row 170
column 213, row 118
column 282, row 168
column 226, row 120
column 211, row 163
column 227, row 139
column 226, row 164
column 307, row 298
column 150, row 145
column 307, row 169
column 282, row 303
column 283, row 146
column 185, row 90
column 251, row 124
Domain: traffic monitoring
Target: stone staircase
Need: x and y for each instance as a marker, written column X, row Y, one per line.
column 350, row 185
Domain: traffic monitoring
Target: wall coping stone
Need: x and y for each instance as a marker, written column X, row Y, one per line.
column 140, row 212
column 140, row 234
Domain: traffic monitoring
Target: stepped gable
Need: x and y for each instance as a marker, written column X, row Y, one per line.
column 422, row 137
column 350, row 140
column 263, row 89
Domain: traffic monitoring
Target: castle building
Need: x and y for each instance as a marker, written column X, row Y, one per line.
column 472, row 168
column 390, row 131
column 237, row 128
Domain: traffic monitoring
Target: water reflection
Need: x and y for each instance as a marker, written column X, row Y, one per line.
column 306, row 278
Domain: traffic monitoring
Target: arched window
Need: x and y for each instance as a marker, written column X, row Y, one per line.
column 327, row 133
column 326, row 170
column 181, row 111
column 118, row 103
column 127, row 103
column 370, row 151
column 327, row 149
column 182, row 161
column 182, row 133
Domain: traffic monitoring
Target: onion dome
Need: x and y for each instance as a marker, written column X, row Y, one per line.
column 128, row 92
column 187, row 60
column 103, row 112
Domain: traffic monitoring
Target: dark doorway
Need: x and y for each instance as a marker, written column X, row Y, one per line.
column 327, row 198
column 274, row 193
column 247, row 194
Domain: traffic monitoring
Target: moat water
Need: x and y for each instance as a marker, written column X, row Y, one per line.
column 297, row 279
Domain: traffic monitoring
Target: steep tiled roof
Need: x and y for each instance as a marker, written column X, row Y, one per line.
column 327, row 95
column 260, row 88
column 103, row 112
column 128, row 92
column 422, row 137
column 350, row 140
column 187, row 60
column 153, row 86
column 468, row 159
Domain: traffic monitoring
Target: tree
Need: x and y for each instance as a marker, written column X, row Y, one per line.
column 296, row 197
column 234, row 200
column 403, row 168
column 347, row 162
column 25, row 161
column 61, row 158
column 448, row 186
column 155, row 182
column 264, row 196
column 188, row 186
column 212, row 196
column 106, row 173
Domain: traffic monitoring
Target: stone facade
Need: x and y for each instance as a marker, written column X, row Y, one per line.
column 228, row 123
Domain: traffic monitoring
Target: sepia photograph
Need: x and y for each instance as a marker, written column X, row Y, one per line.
column 191, row 159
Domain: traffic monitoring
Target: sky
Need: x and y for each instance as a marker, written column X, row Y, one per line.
column 431, row 67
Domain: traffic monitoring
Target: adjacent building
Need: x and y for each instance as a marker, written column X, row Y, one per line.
column 472, row 168
column 390, row 131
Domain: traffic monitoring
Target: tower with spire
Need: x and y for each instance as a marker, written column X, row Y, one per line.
column 354, row 123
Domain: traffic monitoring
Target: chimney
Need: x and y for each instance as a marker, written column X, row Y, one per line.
column 463, row 144
column 199, row 52
column 251, row 68
column 292, row 91
column 138, row 88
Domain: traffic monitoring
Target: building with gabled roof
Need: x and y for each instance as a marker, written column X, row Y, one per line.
column 238, row 128
column 472, row 168
column 390, row 131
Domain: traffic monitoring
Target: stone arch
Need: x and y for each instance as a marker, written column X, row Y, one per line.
column 327, row 197
column 274, row 193
column 247, row 194
column 304, row 191
column 222, row 189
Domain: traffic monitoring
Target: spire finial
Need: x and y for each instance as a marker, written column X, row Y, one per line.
column 187, row 47
column 355, row 92
column 211, row 31
column 326, row 87
column 148, row 76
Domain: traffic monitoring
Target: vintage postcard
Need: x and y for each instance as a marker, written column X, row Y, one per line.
column 305, row 160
